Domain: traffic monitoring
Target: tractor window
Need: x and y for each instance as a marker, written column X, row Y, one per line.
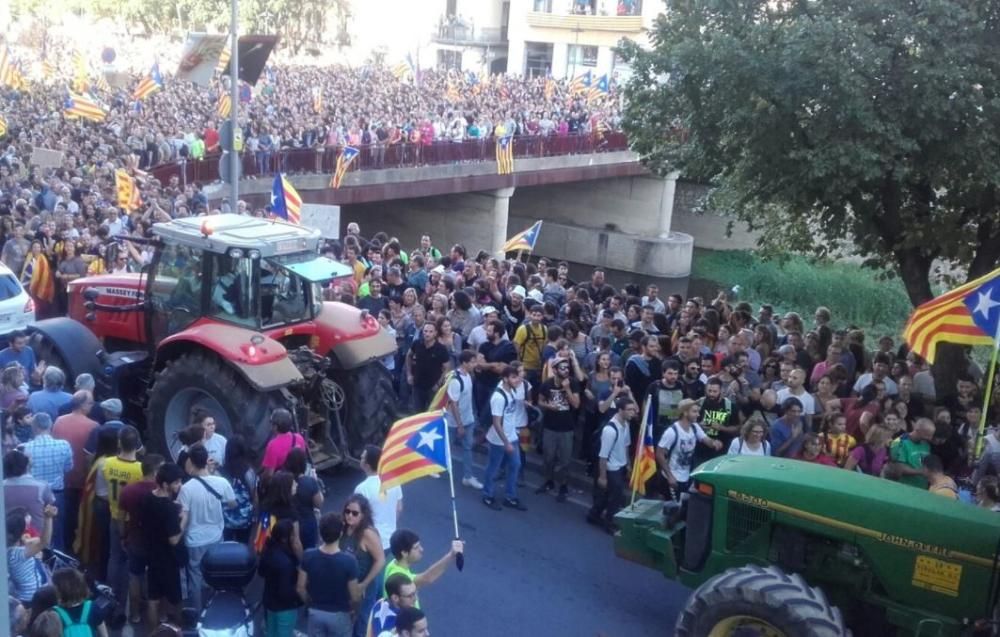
column 283, row 295
column 233, row 296
column 175, row 290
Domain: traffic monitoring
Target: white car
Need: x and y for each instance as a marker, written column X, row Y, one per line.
column 17, row 309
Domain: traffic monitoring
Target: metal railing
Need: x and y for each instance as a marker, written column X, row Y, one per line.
column 323, row 159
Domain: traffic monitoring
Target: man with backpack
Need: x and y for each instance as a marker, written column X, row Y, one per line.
column 202, row 499
column 502, row 439
column 675, row 451
column 461, row 413
column 530, row 339
column 612, row 465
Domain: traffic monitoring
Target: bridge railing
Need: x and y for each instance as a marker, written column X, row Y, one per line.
column 381, row 156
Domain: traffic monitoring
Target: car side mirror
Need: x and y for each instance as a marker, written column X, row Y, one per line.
column 91, row 294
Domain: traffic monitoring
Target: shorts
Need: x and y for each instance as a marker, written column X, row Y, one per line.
column 164, row 582
column 137, row 561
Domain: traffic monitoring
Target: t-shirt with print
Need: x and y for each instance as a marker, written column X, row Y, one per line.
column 668, row 403
column 683, row 441
column 560, row 416
column 119, row 474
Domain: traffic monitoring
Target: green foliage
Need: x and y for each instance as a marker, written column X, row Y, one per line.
column 855, row 295
column 823, row 123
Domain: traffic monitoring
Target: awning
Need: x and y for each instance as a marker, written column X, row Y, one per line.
column 316, row 269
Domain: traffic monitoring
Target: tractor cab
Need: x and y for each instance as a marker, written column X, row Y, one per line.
column 248, row 272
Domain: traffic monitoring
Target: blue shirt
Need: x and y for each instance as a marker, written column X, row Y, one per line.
column 51, row 459
column 48, row 401
column 780, row 432
column 25, row 358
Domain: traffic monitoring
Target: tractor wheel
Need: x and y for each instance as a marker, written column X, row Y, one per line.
column 755, row 601
column 202, row 380
column 370, row 406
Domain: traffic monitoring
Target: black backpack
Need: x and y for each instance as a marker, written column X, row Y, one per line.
column 595, row 441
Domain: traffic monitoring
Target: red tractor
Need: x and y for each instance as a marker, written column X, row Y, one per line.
column 229, row 317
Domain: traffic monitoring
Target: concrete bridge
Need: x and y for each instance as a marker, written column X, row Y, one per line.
column 599, row 204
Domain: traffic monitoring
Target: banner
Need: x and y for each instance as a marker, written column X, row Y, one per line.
column 254, row 51
column 200, row 57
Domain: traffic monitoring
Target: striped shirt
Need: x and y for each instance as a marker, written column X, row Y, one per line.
column 51, row 459
column 27, row 574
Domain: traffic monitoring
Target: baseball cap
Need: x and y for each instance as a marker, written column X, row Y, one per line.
column 488, row 309
column 517, row 291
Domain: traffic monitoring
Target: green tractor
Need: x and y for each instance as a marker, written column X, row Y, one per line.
column 778, row 547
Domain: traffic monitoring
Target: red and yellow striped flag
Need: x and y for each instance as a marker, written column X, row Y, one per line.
column 41, row 284
column 224, row 106
column 414, row 448
column 948, row 319
column 224, row 60
column 128, row 190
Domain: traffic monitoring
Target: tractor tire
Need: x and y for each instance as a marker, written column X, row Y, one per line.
column 755, row 600
column 201, row 379
column 370, row 406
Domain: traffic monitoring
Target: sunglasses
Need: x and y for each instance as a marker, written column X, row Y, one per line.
column 352, row 512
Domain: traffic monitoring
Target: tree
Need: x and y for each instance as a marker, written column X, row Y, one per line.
column 830, row 123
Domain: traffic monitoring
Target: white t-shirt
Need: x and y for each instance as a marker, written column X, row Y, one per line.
column 507, row 410
column 204, row 510
column 384, row 507
column 682, row 456
column 461, row 393
column 615, row 448
column 866, row 379
column 520, row 394
column 808, row 403
column 216, row 448
column 739, row 448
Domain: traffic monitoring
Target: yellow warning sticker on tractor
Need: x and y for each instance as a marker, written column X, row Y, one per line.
column 937, row 575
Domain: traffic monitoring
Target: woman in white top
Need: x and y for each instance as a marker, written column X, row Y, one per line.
column 751, row 441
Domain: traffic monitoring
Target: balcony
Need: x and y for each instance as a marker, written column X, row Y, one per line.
column 616, row 23
column 458, row 32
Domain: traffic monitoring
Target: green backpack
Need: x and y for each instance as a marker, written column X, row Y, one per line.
column 76, row 628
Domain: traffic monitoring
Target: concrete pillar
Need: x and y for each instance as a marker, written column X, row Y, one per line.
column 501, row 212
column 667, row 203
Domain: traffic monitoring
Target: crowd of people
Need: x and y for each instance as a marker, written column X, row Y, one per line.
column 524, row 359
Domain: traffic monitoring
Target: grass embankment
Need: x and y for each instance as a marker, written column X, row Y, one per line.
column 856, row 296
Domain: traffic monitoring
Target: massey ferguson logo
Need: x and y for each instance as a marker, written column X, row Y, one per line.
column 123, row 293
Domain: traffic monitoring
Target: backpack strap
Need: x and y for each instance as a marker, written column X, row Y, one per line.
column 677, row 439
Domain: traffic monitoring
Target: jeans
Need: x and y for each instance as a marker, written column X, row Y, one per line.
column 62, row 538
column 280, row 623
column 497, row 453
column 195, row 578
column 323, row 623
column 467, row 441
column 609, row 500
column 368, row 599
column 102, row 522
column 557, row 448
column 117, row 565
column 421, row 397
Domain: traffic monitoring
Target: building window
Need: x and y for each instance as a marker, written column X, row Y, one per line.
column 629, row 7
column 537, row 59
column 542, row 6
column 580, row 57
column 449, row 60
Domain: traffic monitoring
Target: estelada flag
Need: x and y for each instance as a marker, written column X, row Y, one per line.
column 645, row 454
column 38, row 273
column 967, row 315
column 414, row 448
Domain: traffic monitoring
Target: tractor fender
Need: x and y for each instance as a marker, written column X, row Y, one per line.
column 265, row 365
column 352, row 337
column 75, row 347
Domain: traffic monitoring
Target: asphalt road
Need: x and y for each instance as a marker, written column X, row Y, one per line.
column 540, row 572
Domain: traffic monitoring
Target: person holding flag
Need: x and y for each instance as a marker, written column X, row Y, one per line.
column 612, row 459
column 524, row 240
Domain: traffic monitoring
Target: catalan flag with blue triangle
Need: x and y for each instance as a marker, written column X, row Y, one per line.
column 414, row 448
column 505, row 155
column 524, row 240
column 285, row 200
column 343, row 164
column 599, row 88
column 150, row 84
column 645, row 454
column 580, row 83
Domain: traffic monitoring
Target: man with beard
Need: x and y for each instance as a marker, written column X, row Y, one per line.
column 718, row 420
column 495, row 354
column 694, row 388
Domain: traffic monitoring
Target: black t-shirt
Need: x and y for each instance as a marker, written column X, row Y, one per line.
column 428, row 363
column 328, row 578
column 512, row 318
column 280, row 571
column 94, row 619
column 563, row 417
column 717, row 412
column 502, row 352
column 160, row 520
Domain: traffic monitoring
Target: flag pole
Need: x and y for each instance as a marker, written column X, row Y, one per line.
column 988, row 392
column 460, row 558
column 639, row 448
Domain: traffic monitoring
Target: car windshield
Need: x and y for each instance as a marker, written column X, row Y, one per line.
column 9, row 287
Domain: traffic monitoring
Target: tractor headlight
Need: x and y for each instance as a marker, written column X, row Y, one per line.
column 235, row 253
column 254, row 254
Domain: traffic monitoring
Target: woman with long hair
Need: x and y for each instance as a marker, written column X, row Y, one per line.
column 94, row 525
column 308, row 497
column 451, row 339
column 871, row 456
column 763, row 340
column 578, row 341
column 11, row 382
column 237, row 470
column 279, row 566
column 277, row 504
column 361, row 540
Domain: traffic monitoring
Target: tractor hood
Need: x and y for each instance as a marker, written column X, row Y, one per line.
column 870, row 508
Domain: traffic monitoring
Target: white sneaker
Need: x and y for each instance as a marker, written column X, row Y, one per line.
column 472, row 482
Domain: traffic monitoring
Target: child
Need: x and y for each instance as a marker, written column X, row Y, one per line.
column 24, row 564
column 836, row 441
